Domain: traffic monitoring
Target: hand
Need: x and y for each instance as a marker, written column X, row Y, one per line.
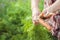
column 35, row 15
column 45, row 14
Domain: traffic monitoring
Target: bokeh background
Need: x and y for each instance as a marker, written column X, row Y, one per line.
column 16, row 22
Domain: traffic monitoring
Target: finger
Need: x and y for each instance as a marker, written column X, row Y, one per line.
column 41, row 15
column 35, row 22
column 49, row 15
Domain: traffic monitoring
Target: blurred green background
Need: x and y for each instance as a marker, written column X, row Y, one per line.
column 16, row 22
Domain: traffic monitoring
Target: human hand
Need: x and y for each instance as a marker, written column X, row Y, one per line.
column 35, row 16
column 45, row 14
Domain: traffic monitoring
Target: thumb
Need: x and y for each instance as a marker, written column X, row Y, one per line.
column 41, row 15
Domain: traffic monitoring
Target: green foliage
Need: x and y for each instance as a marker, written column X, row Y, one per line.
column 16, row 22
